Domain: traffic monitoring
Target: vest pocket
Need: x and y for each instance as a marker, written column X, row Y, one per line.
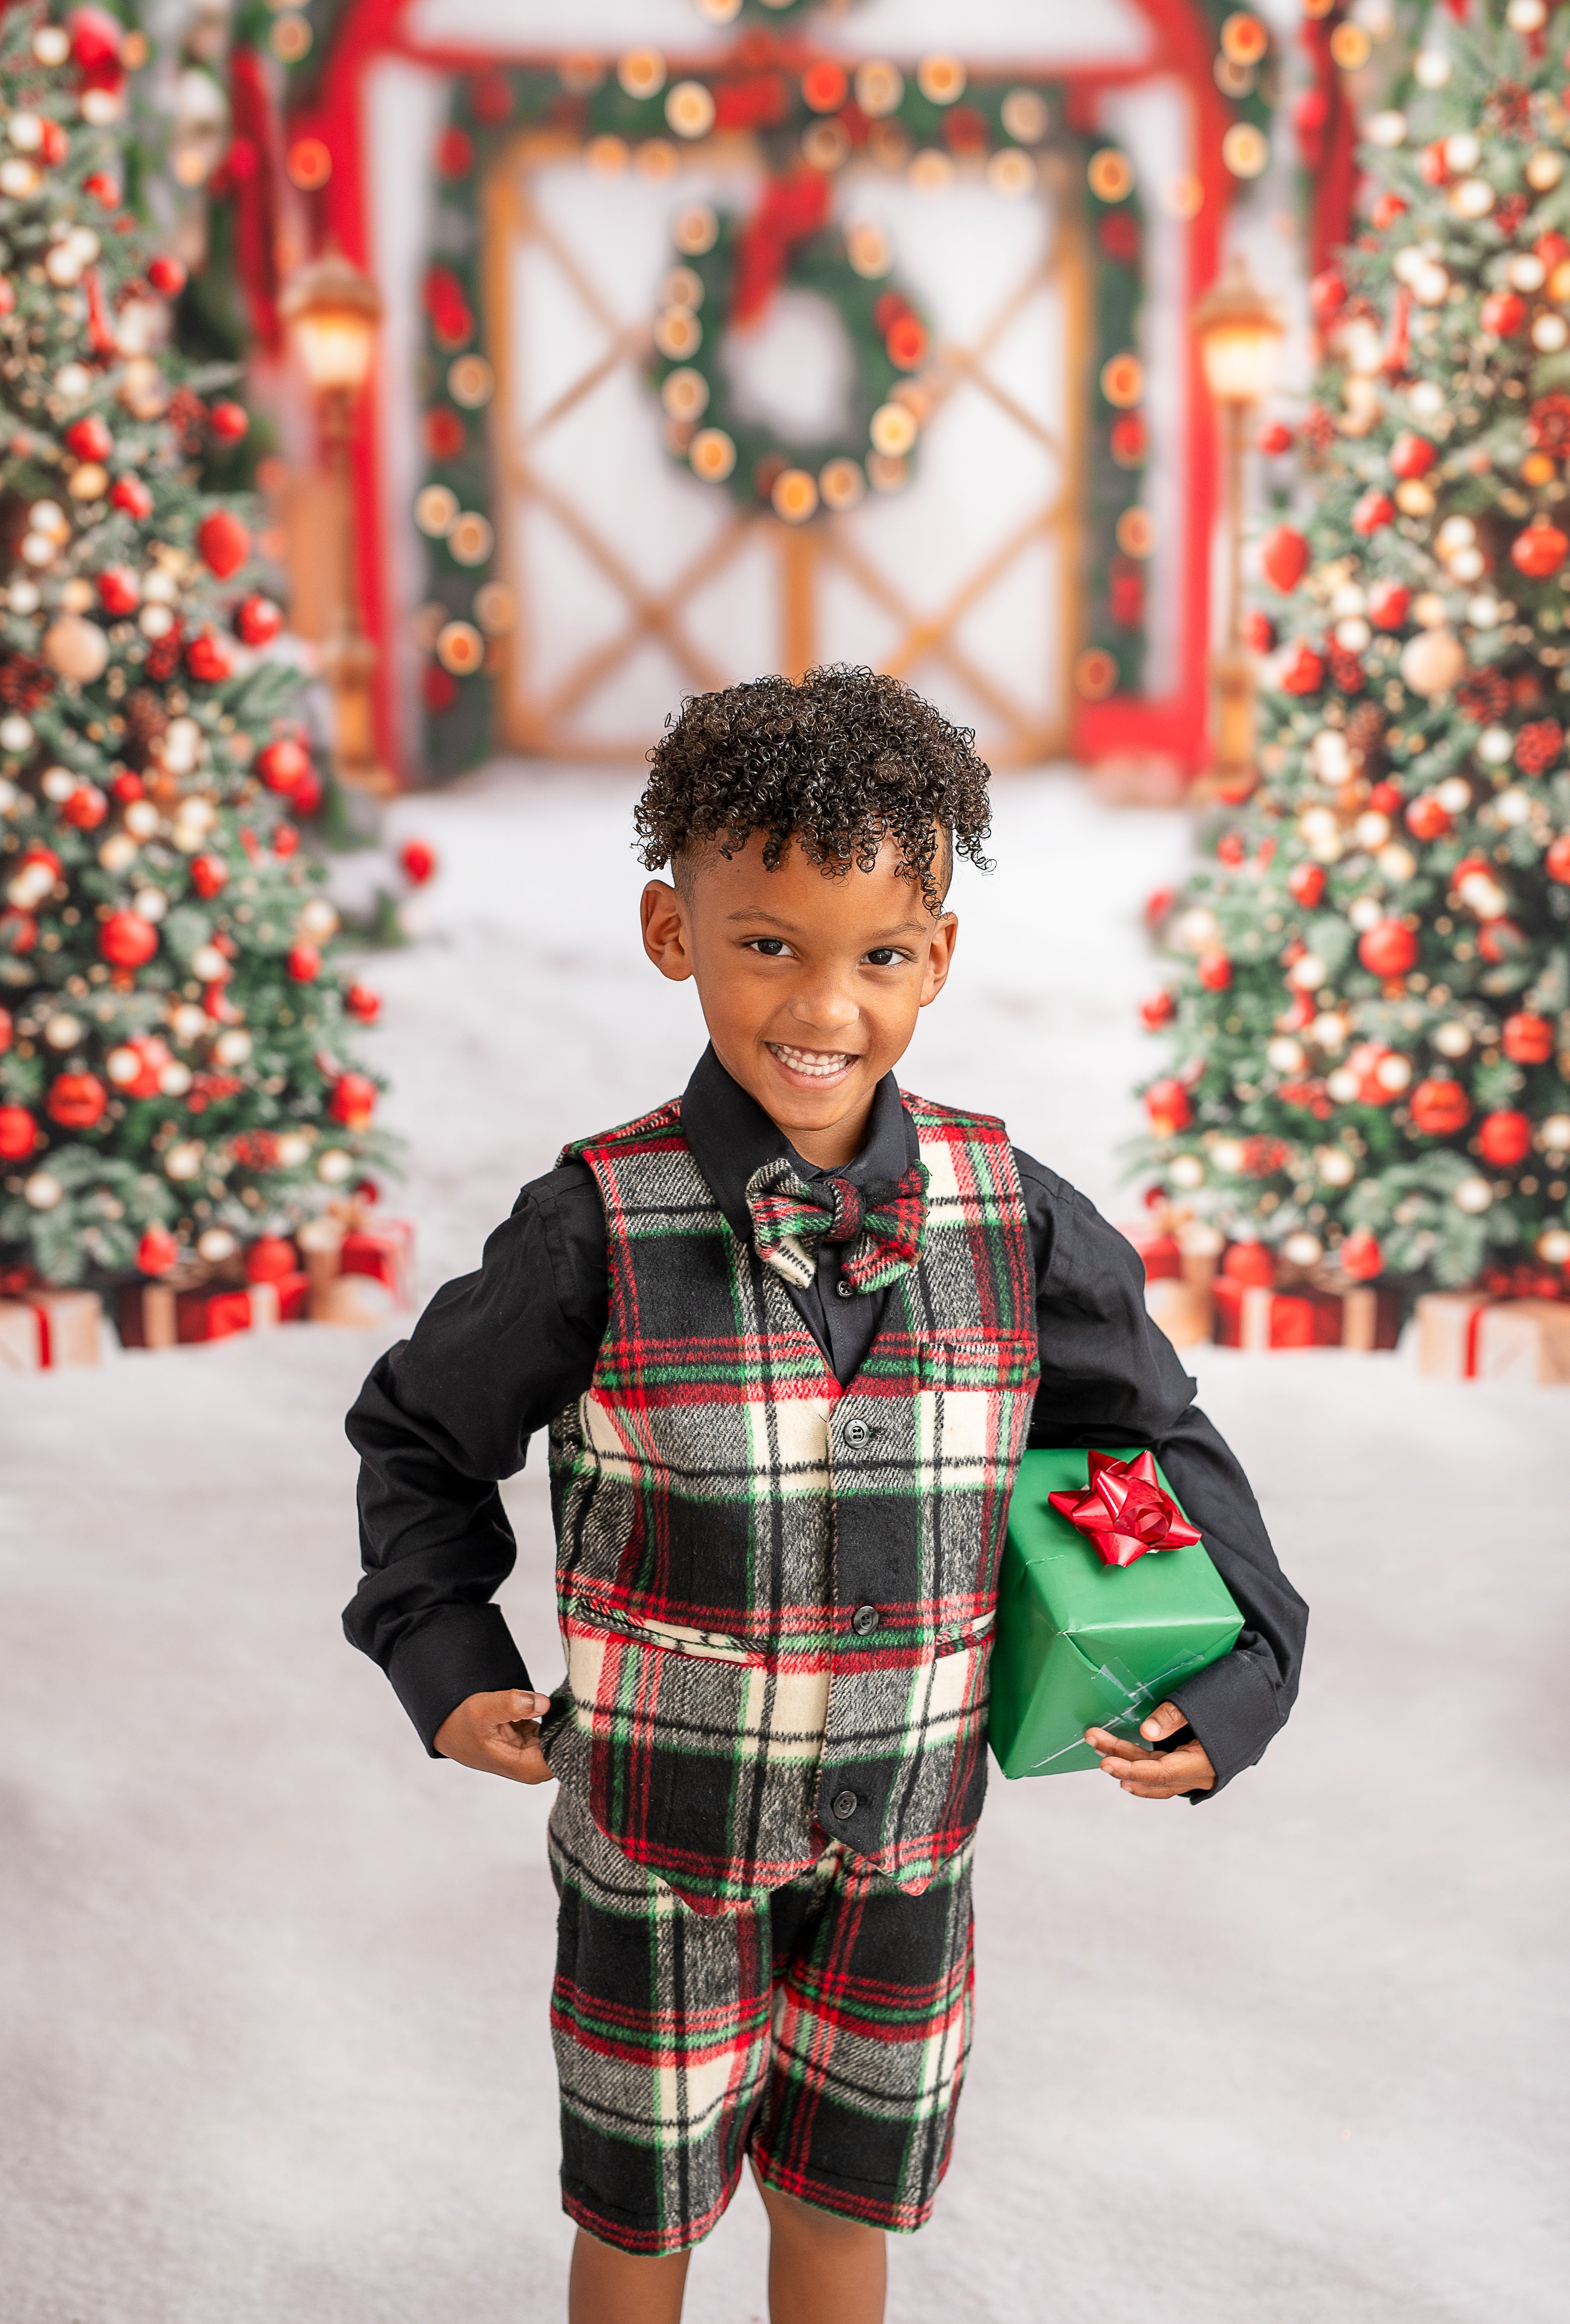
column 673, row 1637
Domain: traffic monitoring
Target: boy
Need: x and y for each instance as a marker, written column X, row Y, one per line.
column 790, row 1334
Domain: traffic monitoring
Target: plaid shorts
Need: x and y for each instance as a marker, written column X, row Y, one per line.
column 823, row 2029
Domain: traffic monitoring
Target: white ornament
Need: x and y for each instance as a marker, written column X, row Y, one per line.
column 1335, row 1165
column 1513, row 806
column 1452, row 1039
column 1227, row 1155
column 1329, row 1031
column 1525, row 272
column 1550, row 333
column 209, row 964
column 1371, row 830
column 333, row 1166
column 63, row 1031
column 1307, row 973
column 58, row 783
column 1527, row 15
column 1352, row 633
column 142, row 819
column 42, row 1191
column 187, row 1022
column 1398, row 863
column 1463, row 152
column 216, row 1245
column 1394, row 1074
column 1387, row 129
column 1473, row 1195
column 1285, row 1054
column 1494, row 745
column 174, row 1080
column 15, row 732
column 122, row 1065
column 1186, row 1171
column 1426, row 400
column 1330, row 757
column 1303, row 1250
column 1431, row 68
column 1554, row 1247
column 1454, row 794
column 76, row 648
column 1366, row 913
column 150, row 904
column 232, row 1047
column 1343, row 1084
column 293, row 1148
column 1456, row 533
column 1348, row 600
column 1553, row 1133
column 317, row 920
column 1483, row 613
column 184, row 1160
column 1432, row 663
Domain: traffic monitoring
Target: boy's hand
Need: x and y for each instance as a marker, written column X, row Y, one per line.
column 499, row 1734
column 1149, row 1775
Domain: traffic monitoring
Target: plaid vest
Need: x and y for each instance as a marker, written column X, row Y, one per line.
column 776, row 1595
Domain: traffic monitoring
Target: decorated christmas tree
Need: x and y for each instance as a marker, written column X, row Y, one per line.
column 174, row 1082
column 1368, row 1010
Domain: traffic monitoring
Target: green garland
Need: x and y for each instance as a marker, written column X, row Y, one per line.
column 1008, row 125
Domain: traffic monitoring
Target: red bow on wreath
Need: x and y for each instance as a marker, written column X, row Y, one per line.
column 1123, row 1511
column 792, row 209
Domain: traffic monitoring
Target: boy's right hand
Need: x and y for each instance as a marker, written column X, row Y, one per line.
column 499, row 1734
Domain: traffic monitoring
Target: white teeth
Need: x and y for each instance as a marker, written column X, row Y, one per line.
column 821, row 1065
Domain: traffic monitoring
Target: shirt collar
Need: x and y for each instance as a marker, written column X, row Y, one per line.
column 731, row 1137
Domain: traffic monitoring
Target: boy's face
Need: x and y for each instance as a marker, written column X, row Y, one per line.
column 809, row 983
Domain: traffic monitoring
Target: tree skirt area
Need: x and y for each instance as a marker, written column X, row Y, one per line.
column 276, row 2044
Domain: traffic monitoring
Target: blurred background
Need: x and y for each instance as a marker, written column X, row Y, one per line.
column 595, row 353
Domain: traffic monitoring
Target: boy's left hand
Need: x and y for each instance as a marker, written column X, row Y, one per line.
column 1154, row 1776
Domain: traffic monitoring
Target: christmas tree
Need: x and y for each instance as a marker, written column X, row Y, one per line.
column 1369, row 1011
column 174, row 1081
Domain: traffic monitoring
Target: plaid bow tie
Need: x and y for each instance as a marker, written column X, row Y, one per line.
column 880, row 1226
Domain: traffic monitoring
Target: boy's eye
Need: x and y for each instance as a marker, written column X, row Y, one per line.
column 883, row 957
column 771, row 948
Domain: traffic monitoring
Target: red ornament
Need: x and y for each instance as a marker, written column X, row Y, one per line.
column 1258, row 632
column 1284, row 558
column 228, row 421
column 209, row 873
column 1504, row 1139
column 1304, row 673
column 1387, row 949
column 1307, row 883
column 1504, row 313
column 166, row 276
column 86, row 808
column 127, row 940
column 1501, row 940
column 89, row 438
column 1274, row 439
column 1388, row 604
column 1528, row 1038
column 1432, row 167
column 157, row 1252
column 352, row 1100
column 305, row 796
column 1361, row 1255
column 1251, row 1263
column 258, row 621
column 1386, row 209
column 1539, row 550
column 130, row 496
column 75, row 1101
column 418, row 860
column 1440, row 1107
column 1538, row 745
column 304, row 964
column 207, row 657
column 1412, row 456
column 119, row 591
column 362, row 1002
column 1425, row 818
column 285, row 839
column 269, row 1258
column 224, row 542
column 1230, row 848
column 283, row 765
column 1372, row 509
column 1214, row 971
column 1384, row 798
column 18, row 1133
column 1167, row 1104
column 6, row 1029
column 149, row 1056
column 18, row 932
column 907, row 344
column 127, row 787
column 1327, row 295
column 1557, row 860
column 94, row 38
column 103, row 188
column 1157, row 1010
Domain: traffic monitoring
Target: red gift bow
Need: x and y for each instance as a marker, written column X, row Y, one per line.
column 1123, row 1512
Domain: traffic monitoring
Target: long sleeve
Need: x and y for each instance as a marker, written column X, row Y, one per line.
column 442, row 1418
column 1109, row 1377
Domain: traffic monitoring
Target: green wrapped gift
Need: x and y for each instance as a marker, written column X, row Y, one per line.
column 1084, row 1643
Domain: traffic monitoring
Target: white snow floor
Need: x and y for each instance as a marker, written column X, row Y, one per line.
column 274, row 2043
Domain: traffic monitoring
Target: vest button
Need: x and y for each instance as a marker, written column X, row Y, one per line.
column 844, row 1290
column 864, row 1621
column 844, row 1805
column 856, row 1431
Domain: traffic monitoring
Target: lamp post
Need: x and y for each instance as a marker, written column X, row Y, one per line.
column 333, row 312
column 1240, row 334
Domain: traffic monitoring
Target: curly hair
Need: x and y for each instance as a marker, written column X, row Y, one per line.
column 835, row 763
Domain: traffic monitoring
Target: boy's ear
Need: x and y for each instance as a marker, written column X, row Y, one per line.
column 665, row 934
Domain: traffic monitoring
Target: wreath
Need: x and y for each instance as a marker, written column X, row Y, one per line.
column 726, row 273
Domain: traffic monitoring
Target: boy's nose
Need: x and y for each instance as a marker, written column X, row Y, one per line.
column 825, row 1010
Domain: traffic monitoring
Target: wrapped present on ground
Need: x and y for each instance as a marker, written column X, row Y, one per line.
column 1477, row 1335
column 1183, row 1310
column 1106, row 1601
column 1179, row 1255
column 182, row 1313
column 44, row 1330
column 1354, row 1316
column 359, row 1265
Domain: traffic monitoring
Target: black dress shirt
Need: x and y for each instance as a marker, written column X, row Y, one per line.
column 448, row 1412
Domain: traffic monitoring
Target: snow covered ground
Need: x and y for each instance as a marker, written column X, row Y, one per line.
column 276, row 2040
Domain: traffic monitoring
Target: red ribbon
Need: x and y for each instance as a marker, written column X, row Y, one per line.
column 792, row 209
column 1123, row 1512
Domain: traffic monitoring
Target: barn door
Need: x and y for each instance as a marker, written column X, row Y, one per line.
column 635, row 583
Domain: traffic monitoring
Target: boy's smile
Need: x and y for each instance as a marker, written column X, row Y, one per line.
column 810, row 982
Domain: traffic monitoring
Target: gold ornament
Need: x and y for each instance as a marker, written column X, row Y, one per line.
column 1432, row 663
column 76, row 648
column 794, row 496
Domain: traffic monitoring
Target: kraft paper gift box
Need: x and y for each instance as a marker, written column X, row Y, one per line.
column 164, row 1315
column 1081, row 1643
column 1183, row 1310
column 1255, row 1315
column 383, row 1248
column 1471, row 1335
column 50, row 1329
